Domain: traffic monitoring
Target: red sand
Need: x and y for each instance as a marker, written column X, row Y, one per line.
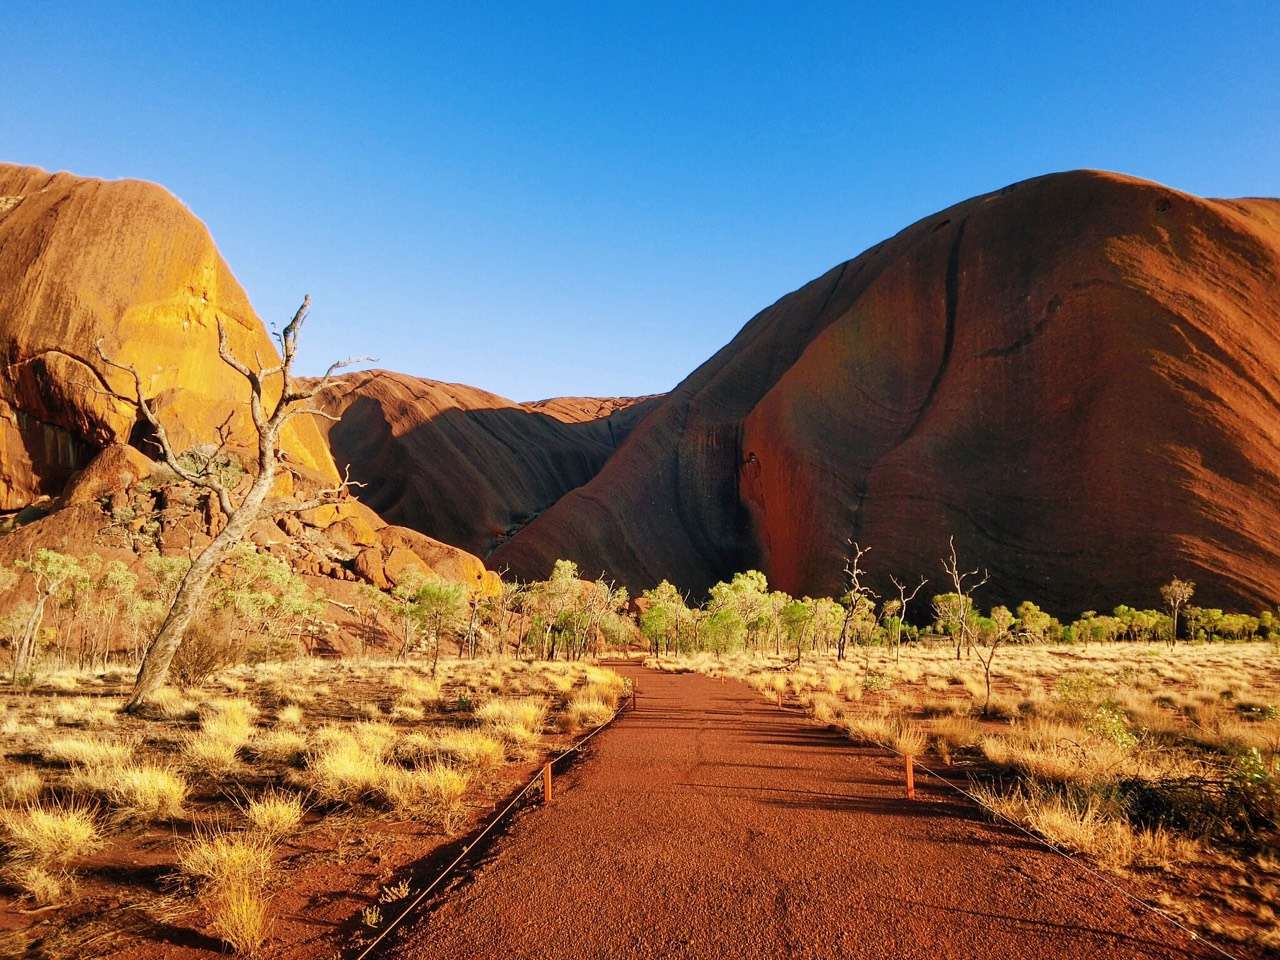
column 712, row 824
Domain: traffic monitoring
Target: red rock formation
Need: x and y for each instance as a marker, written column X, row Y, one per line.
column 1078, row 376
column 463, row 465
column 83, row 259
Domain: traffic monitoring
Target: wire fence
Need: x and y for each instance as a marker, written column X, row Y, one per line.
column 539, row 779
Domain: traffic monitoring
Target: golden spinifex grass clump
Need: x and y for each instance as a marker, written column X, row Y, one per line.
column 21, row 787
column 231, row 871
column 42, row 842
column 141, row 792
column 88, row 751
column 517, row 722
column 274, row 814
column 586, row 710
column 471, row 748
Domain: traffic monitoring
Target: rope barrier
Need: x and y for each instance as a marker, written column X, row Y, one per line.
column 537, row 780
column 1079, row 864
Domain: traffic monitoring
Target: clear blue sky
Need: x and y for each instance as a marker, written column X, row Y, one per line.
column 559, row 198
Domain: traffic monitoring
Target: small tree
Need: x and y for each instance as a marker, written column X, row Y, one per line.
column 955, row 609
column 52, row 572
column 996, row 632
column 439, row 605
column 1176, row 593
column 856, row 597
column 896, row 615
column 240, row 513
column 795, row 617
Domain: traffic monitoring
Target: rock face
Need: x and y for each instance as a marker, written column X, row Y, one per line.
column 122, row 261
column 466, row 466
column 1077, row 376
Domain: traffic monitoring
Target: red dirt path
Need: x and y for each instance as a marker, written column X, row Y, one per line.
column 709, row 823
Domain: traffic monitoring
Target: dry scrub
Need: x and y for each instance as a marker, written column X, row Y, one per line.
column 338, row 739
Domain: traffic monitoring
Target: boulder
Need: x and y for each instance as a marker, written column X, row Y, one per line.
column 113, row 470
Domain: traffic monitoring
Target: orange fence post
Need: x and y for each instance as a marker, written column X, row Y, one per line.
column 633, row 696
column 779, row 698
column 546, row 783
column 911, row 778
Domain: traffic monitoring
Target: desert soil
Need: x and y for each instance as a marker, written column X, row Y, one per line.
column 709, row 823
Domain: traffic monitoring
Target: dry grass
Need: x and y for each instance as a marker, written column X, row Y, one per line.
column 49, row 835
column 239, row 917
column 88, row 751
column 410, row 755
column 286, row 747
column 139, row 792
column 275, row 814
column 473, row 749
column 346, row 771
column 21, row 787
column 585, row 711
column 232, row 870
column 1081, row 825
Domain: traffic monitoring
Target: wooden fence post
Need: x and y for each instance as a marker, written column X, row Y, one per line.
column 911, row 778
column 546, row 783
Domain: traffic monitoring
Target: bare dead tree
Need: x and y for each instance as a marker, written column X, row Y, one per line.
column 900, row 611
column 958, row 607
column 240, row 511
column 859, row 598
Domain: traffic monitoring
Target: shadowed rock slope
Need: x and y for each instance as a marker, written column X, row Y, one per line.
column 1077, row 376
column 466, row 466
column 125, row 262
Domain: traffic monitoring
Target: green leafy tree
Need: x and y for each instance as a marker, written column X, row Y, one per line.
column 52, row 574
column 439, row 605
column 1176, row 593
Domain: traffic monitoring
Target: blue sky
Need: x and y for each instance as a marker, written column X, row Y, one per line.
column 591, row 199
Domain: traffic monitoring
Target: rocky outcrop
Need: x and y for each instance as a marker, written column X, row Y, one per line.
column 1077, row 376
column 83, row 260
column 466, row 466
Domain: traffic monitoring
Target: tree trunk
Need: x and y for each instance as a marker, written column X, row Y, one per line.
column 25, row 650
column 155, row 662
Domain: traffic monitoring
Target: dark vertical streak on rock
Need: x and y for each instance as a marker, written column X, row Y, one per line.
column 951, row 295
